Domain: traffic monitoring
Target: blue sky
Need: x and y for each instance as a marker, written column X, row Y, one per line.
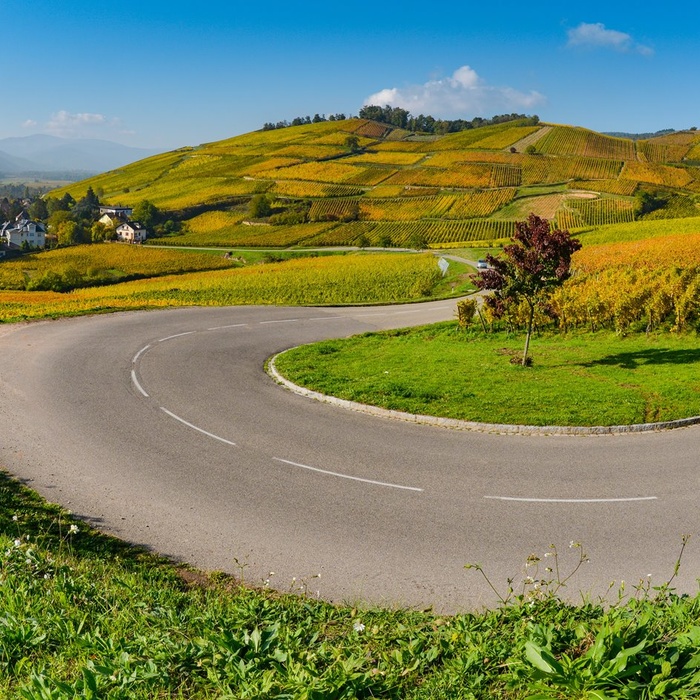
column 169, row 74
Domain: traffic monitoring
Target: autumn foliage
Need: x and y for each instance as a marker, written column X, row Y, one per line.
column 537, row 261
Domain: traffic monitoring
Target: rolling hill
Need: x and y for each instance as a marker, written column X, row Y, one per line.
column 359, row 182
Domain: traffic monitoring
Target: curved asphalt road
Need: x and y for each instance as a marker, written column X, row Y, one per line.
column 163, row 429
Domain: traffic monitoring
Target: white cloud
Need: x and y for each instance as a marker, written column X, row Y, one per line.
column 29, row 124
column 598, row 36
column 81, row 124
column 462, row 95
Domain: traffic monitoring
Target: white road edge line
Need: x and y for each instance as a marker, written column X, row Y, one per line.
column 194, row 427
column 139, row 353
column 177, row 335
column 572, row 500
column 346, row 476
column 283, row 320
column 136, row 383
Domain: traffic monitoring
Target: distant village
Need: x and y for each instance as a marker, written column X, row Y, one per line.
column 35, row 224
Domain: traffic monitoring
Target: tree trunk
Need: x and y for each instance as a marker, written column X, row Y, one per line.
column 529, row 332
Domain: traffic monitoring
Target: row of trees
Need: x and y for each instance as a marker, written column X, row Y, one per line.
column 403, row 119
column 299, row 121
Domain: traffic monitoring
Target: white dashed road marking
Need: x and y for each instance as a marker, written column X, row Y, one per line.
column 177, row 335
column 233, row 325
column 346, row 476
column 571, row 500
column 136, row 383
column 194, row 427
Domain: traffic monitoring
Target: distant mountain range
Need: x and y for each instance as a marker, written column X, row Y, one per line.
column 44, row 154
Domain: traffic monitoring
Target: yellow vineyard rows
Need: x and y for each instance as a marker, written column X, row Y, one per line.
column 308, row 151
column 433, row 232
column 278, row 162
column 595, row 212
column 656, row 174
column 305, row 188
column 372, row 130
column 188, row 192
column 447, row 159
column 650, row 281
column 480, row 204
column 624, row 188
column 505, row 137
column 339, row 138
column 658, row 253
column 405, row 146
column 549, row 170
column 382, row 191
column 231, row 234
column 452, row 206
column 103, row 262
column 331, row 171
column 120, row 182
column 505, row 176
column 472, row 175
column 472, row 138
column 655, row 152
column 642, row 230
column 385, row 157
column 327, row 280
column 199, row 164
column 565, row 140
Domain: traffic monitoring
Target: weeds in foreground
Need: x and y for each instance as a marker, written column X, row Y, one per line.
column 619, row 657
column 85, row 616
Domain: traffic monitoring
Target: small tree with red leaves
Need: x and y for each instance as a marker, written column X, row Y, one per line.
column 534, row 263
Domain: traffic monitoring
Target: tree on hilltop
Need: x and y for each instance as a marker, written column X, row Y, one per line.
column 537, row 261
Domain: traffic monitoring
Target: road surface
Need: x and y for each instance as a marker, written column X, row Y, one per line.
column 163, row 429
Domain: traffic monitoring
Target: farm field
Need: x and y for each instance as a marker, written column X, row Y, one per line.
column 349, row 279
column 451, row 189
column 105, row 263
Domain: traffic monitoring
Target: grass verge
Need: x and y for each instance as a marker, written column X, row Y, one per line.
column 83, row 615
column 584, row 379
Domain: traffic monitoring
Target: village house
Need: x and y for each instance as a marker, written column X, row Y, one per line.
column 122, row 213
column 110, row 220
column 23, row 232
column 131, row 232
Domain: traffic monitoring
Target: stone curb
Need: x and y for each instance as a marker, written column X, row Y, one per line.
column 472, row 425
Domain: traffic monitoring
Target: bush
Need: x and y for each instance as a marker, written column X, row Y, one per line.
column 466, row 310
column 260, row 207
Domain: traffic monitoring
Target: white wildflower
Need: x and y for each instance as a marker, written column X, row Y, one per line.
column 358, row 626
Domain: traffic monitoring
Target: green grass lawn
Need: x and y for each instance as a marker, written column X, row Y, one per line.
column 585, row 379
column 86, row 617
